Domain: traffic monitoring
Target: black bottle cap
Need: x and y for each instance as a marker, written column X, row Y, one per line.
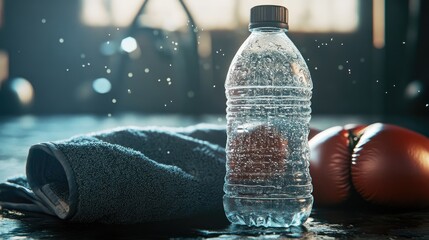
column 268, row 16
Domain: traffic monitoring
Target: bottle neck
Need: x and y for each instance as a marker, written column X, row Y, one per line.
column 267, row 30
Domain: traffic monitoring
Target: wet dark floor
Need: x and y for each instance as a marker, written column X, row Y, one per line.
column 323, row 224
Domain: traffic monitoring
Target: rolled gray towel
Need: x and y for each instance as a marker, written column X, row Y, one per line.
column 126, row 175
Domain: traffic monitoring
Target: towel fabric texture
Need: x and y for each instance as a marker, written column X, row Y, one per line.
column 126, row 175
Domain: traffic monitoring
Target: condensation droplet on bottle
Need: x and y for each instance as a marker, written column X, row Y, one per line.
column 130, row 74
column 114, row 100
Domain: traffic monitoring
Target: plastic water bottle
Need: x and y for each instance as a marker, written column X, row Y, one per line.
column 268, row 89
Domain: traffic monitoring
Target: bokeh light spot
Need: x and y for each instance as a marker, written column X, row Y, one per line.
column 129, row 44
column 101, row 85
column 23, row 89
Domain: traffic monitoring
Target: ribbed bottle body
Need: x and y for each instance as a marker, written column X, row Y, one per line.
column 268, row 91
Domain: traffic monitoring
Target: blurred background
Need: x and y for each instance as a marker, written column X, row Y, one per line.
column 104, row 57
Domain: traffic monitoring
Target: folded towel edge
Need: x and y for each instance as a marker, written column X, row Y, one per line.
column 49, row 150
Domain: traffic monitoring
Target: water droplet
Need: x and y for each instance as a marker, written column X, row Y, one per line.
column 217, row 51
column 427, row 104
column 176, row 43
column 376, row 81
column 347, row 61
column 108, row 71
column 108, row 34
column 109, row 115
column 386, row 92
column 82, row 56
column 171, row 65
column 88, row 64
column 165, row 105
column 403, row 43
column 160, row 47
column 105, row 66
column 130, row 74
column 191, row 94
column 43, row 20
column 223, row 54
column 315, row 68
column 175, row 49
column 166, row 36
column 318, row 46
column 214, row 86
column 146, row 70
column 129, row 91
column 159, row 80
column 169, row 83
column 315, row 40
column 394, row 85
column 61, row 40
column 108, row 42
column 342, row 44
column 168, row 79
column 117, row 29
column 114, row 100
column 83, row 65
column 219, row 119
column 308, row 59
column 67, row 69
column 332, row 39
column 340, row 67
column 168, row 152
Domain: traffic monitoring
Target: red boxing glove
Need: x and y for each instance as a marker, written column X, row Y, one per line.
column 330, row 164
column 313, row 132
column 390, row 166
